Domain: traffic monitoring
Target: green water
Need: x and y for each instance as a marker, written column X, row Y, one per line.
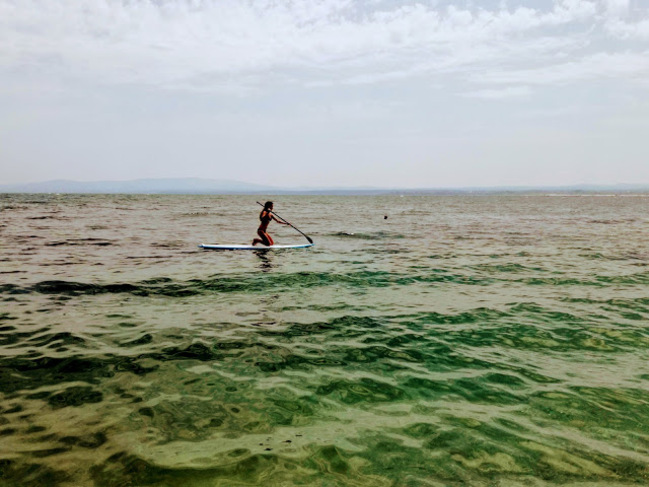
column 485, row 340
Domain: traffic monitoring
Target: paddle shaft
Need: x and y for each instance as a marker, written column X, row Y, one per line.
column 286, row 221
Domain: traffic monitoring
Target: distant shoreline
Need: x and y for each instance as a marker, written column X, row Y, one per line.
column 197, row 186
column 553, row 193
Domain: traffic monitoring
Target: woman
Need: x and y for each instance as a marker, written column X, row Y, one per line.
column 266, row 216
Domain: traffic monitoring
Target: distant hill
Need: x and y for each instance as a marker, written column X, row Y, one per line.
column 223, row 186
column 140, row 186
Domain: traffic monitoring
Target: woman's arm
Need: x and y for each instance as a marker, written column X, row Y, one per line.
column 279, row 221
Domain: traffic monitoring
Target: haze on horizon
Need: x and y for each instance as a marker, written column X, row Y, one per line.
column 326, row 93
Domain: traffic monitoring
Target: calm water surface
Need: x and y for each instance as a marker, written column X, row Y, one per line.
column 487, row 341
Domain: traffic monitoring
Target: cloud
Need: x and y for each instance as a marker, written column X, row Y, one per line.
column 499, row 94
column 628, row 31
column 628, row 66
column 234, row 46
column 617, row 8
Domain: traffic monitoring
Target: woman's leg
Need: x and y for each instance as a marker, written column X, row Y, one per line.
column 265, row 239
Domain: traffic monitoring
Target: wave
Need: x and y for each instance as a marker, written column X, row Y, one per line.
column 366, row 236
column 254, row 283
column 80, row 241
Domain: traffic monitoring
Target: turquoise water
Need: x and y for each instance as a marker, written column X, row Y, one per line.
column 485, row 340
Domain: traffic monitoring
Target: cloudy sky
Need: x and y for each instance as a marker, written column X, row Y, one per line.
column 311, row 93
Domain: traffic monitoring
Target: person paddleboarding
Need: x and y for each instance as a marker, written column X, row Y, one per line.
column 265, row 217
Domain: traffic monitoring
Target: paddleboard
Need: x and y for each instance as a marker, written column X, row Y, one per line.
column 253, row 247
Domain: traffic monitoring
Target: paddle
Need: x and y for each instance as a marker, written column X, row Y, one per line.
column 285, row 221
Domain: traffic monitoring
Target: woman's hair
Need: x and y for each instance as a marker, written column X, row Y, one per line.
column 267, row 205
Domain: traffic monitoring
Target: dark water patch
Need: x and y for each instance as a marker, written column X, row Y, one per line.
column 477, row 315
column 631, row 279
column 421, row 430
column 476, row 392
column 506, row 379
column 16, row 408
column 296, row 362
column 133, row 365
column 146, row 289
column 238, row 468
column 161, row 258
column 635, row 304
column 426, row 388
column 48, row 452
column 253, row 283
column 157, row 280
column 635, row 256
column 519, row 328
column 170, row 244
column 330, row 458
column 347, row 326
column 400, row 464
column 146, row 412
column 143, row 340
column 378, row 354
column 510, row 268
column 382, row 344
column 39, row 395
column 440, row 277
column 75, row 397
column 560, row 281
column 9, row 336
column 601, row 256
column 80, row 241
column 611, row 222
column 12, row 289
column 481, row 390
column 79, row 288
column 7, row 432
column 491, row 450
column 18, row 374
column 52, row 340
column 126, row 324
column 519, row 337
column 363, row 390
column 14, row 473
column 213, row 352
column 601, row 411
column 26, row 238
column 195, row 351
column 194, row 420
column 534, row 313
column 287, row 411
column 628, row 308
column 91, row 441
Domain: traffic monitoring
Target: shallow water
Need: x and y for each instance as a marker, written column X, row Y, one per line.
column 485, row 340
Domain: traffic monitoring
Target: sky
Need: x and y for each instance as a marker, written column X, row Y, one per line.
column 322, row 93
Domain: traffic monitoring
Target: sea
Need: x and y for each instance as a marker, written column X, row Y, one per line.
column 456, row 340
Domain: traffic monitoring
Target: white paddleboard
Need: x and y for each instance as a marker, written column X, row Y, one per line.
column 253, row 247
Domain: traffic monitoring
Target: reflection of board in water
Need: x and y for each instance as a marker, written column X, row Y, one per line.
column 253, row 247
